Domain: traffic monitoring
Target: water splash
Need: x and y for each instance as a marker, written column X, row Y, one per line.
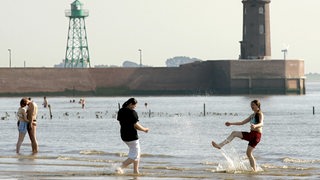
column 234, row 161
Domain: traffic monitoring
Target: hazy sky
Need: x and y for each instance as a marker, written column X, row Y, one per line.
column 36, row 31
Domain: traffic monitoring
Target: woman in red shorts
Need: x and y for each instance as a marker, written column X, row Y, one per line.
column 254, row 136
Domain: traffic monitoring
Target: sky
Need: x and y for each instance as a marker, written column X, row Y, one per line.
column 36, row 31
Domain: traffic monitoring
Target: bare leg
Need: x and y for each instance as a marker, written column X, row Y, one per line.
column 229, row 139
column 126, row 163
column 251, row 158
column 19, row 143
column 33, row 138
column 215, row 145
column 35, row 144
column 136, row 166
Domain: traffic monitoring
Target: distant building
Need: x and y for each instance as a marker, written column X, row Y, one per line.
column 130, row 64
column 60, row 65
column 101, row 66
column 180, row 60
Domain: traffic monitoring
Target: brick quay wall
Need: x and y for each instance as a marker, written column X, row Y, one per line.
column 206, row 77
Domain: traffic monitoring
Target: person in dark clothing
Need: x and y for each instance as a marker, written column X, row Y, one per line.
column 129, row 124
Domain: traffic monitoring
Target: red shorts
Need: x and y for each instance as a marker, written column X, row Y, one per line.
column 253, row 137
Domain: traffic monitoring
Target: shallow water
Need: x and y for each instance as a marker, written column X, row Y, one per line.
column 85, row 143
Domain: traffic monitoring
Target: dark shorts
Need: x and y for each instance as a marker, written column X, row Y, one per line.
column 253, row 137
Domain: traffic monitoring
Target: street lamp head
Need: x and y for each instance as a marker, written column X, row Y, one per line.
column 140, row 57
column 9, row 57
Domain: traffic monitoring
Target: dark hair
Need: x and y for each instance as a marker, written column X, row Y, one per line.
column 257, row 102
column 129, row 101
column 23, row 102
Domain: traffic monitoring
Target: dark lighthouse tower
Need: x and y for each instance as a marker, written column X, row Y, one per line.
column 255, row 42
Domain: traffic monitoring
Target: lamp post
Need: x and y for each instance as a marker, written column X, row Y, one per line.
column 140, row 57
column 285, row 51
column 9, row 57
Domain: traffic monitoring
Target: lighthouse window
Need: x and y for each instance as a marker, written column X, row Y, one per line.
column 261, row 29
column 261, row 10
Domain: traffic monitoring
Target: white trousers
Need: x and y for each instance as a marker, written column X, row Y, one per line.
column 134, row 149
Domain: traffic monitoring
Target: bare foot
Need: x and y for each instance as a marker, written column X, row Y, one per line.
column 119, row 170
column 215, row 145
column 253, row 169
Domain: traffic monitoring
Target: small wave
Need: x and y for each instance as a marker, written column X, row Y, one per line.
column 167, row 168
column 92, row 152
column 66, row 158
column 271, row 166
column 300, row 161
column 121, row 154
column 156, row 155
column 31, row 156
column 210, row 163
column 96, row 152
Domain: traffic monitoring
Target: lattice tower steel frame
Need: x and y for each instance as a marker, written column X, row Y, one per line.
column 77, row 50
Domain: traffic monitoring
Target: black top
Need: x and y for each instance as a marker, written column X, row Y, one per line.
column 127, row 118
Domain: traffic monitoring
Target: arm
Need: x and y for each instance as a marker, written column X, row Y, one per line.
column 30, row 112
column 238, row 123
column 140, row 127
column 24, row 116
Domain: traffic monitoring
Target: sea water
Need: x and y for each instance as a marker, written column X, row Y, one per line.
column 85, row 143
